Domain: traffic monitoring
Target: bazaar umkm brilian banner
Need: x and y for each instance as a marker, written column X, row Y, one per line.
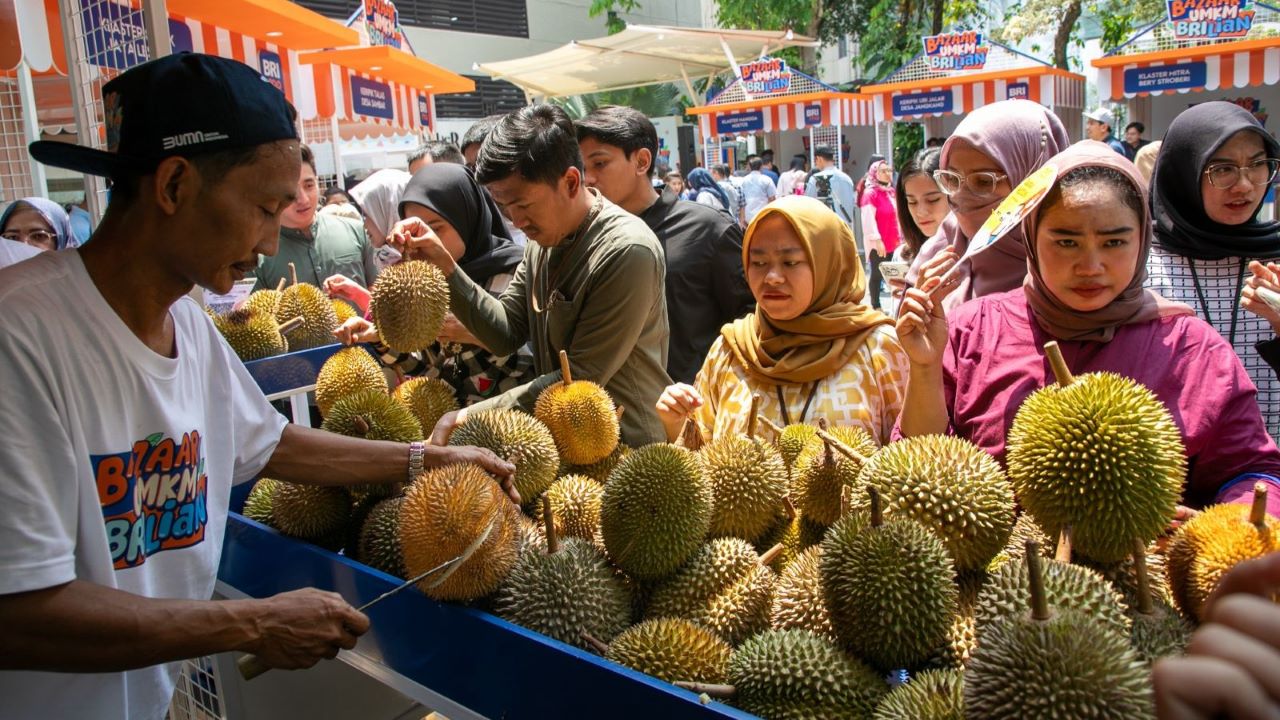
column 952, row 52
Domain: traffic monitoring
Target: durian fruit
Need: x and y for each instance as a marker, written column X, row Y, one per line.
column 379, row 544
column 361, row 505
column 797, row 597
column 1024, row 529
column 342, row 309
column 566, row 591
column 656, row 510
column 258, row 505
column 792, row 439
column 1211, row 543
column 581, row 417
column 598, row 471
column 445, row 511
column 408, row 303
column 889, row 585
column 318, row 320
column 1066, row 587
column 575, row 505
column 1123, row 576
column 796, row 675
column 672, row 649
column 962, row 636
column 821, row 473
column 532, row 537
column 1051, row 662
column 519, row 438
column 372, row 415
column 794, row 533
column 310, row 512
column 345, row 373
column 1099, row 453
column 929, row 695
column 251, row 334
column 949, row 485
column 748, row 481
column 1158, row 630
column 266, row 300
column 725, row 588
column 429, row 399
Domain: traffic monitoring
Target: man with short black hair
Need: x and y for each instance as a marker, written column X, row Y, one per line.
column 435, row 151
column 474, row 137
column 767, row 167
column 127, row 417
column 1133, row 141
column 831, row 185
column 758, row 189
column 591, row 283
column 721, row 174
column 1097, row 127
column 703, row 246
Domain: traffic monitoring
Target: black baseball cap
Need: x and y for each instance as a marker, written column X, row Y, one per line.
column 186, row 104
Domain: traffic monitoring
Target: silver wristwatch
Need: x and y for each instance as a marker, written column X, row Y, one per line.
column 417, row 459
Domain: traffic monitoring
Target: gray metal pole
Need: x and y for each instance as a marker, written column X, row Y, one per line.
column 155, row 18
column 31, row 128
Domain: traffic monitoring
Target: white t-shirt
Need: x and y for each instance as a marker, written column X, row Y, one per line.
column 758, row 190
column 15, row 252
column 116, row 466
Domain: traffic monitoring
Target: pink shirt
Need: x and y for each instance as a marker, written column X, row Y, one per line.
column 886, row 215
column 995, row 359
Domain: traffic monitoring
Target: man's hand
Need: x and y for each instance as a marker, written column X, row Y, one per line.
column 454, row 331
column 504, row 472
column 300, row 628
column 356, row 330
column 445, row 425
column 415, row 240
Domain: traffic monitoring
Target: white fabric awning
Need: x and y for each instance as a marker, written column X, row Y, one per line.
column 639, row 55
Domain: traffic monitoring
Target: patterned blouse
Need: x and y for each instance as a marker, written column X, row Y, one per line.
column 1212, row 288
column 866, row 393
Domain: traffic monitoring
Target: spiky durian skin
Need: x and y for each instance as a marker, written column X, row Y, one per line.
column 582, row 419
column 519, row 438
column 342, row 310
column 1067, row 587
column 444, row 511
column 656, row 511
column 1163, row 633
column 929, row 695
column 1070, row 666
column 792, row 440
column 408, row 303
column 797, row 675
column 575, row 505
column 1208, row 545
column 347, row 372
column 258, row 505
column 252, row 334
column 1123, row 576
column 818, row 477
column 310, row 512
column 748, row 481
column 428, row 399
column 379, row 545
column 723, row 587
column 795, row 535
column 890, row 590
column 385, row 419
column 1024, row 529
column 264, row 301
column 962, row 636
column 598, row 471
column 318, row 320
column 797, row 597
column 565, row 594
column 950, row 486
column 672, row 649
column 1102, row 455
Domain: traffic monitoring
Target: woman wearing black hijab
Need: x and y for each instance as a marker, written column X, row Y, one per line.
column 1210, row 179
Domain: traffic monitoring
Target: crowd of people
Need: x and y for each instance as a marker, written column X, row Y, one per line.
column 683, row 295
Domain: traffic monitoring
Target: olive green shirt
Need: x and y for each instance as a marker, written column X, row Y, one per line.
column 599, row 296
column 335, row 246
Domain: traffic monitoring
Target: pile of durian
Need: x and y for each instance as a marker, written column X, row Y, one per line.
column 804, row 572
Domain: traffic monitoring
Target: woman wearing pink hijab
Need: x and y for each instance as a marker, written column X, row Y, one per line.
column 993, row 150
column 1087, row 246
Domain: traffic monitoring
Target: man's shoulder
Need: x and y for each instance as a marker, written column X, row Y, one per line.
column 33, row 279
column 704, row 218
column 334, row 225
column 621, row 227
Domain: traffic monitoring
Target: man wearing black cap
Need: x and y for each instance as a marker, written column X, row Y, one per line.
column 126, row 418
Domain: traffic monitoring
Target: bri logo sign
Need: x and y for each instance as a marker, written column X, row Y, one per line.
column 1210, row 19
column 955, row 51
column 153, row 496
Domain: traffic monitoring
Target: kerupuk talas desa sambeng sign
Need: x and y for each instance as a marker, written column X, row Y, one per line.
column 952, row 52
column 1210, row 19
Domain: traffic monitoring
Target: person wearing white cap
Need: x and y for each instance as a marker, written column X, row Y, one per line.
column 1097, row 126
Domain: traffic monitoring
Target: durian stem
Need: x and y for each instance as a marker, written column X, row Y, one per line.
column 1063, row 552
column 549, row 523
column 771, row 554
column 293, row 273
column 362, row 425
column 834, row 443
column 1258, row 513
column 565, row 373
column 280, row 285
column 1144, row 583
column 789, row 508
column 827, row 458
column 690, row 434
column 770, row 424
column 846, row 500
column 600, row 647
column 1039, row 602
column 877, row 511
column 720, row 692
column 751, row 418
column 287, row 327
column 400, row 376
column 621, row 409
column 1058, row 363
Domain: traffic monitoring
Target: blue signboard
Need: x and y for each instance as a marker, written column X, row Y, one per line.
column 371, row 98
column 939, row 101
column 424, row 111
column 115, row 36
column 272, row 69
column 1165, row 77
column 813, row 114
column 749, row 121
column 1018, row 91
column 179, row 37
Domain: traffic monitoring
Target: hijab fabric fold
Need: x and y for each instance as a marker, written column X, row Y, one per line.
column 379, row 197
column 700, row 179
column 1134, row 304
column 52, row 213
column 823, row 339
column 1182, row 226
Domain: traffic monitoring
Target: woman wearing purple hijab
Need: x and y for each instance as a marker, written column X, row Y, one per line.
column 1087, row 246
column 37, row 222
column 992, row 150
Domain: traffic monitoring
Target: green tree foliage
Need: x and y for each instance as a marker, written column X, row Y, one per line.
column 652, row 100
column 1118, row 19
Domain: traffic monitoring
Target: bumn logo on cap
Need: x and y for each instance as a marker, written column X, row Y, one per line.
column 192, row 138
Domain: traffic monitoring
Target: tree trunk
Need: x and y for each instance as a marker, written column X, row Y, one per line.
column 935, row 25
column 1062, row 40
column 809, row 56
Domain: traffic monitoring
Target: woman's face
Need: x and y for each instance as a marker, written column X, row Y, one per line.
column 1234, row 205
column 928, row 205
column 971, row 210
column 28, row 226
column 884, row 174
column 1087, row 245
column 778, row 269
column 449, row 237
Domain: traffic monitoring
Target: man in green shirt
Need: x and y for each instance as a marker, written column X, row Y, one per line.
column 319, row 246
column 591, row 282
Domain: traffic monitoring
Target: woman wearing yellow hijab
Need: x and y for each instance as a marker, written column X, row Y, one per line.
column 812, row 349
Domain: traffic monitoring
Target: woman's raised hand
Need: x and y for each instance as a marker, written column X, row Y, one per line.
column 922, row 323
column 1263, row 276
column 677, row 404
column 415, row 240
